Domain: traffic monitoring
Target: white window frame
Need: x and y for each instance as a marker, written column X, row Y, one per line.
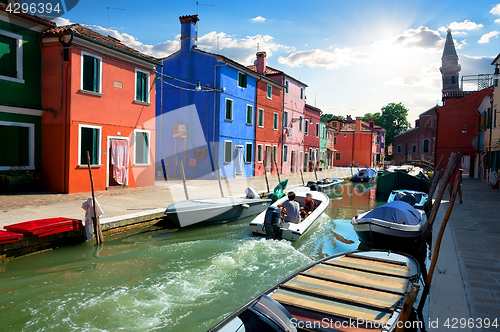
column 80, row 126
column 276, row 116
column 285, row 115
column 259, row 156
column 285, row 153
column 259, row 117
column 232, row 109
column 246, row 115
column 232, row 152
column 306, row 127
column 19, row 60
column 135, row 91
column 317, row 129
column 238, row 83
column 100, row 72
column 267, row 91
column 148, row 134
column 251, row 152
column 31, row 127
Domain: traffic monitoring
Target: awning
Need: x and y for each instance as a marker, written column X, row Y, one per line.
column 331, row 150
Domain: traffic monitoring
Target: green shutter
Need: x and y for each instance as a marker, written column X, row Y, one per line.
column 228, row 152
column 89, row 141
column 8, row 56
column 244, row 80
column 141, row 148
column 259, row 152
column 96, row 75
column 229, row 109
column 142, row 87
column 249, row 114
column 249, row 153
column 91, row 73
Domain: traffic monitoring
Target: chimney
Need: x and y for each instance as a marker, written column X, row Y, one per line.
column 188, row 31
column 261, row 63
column 371, row 123
column 358, row 123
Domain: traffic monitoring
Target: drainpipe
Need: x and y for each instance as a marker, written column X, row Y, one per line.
column 255, row 118
column 282, row 116
column 216, row 90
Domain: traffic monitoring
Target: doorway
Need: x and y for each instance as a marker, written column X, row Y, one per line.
column 238, row 160
column 301, row 160
column 268, row 158
column 118, row 161
column 293, row 161
column 306, row 162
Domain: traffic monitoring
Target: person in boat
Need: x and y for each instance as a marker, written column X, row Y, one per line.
column 290, row 209
column 452, row 183
column 309, row 205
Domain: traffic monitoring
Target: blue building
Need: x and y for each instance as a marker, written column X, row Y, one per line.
column 204, row 112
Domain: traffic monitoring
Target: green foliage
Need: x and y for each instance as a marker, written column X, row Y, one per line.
column 394, row 120
column 329, row 117
column 376, row 118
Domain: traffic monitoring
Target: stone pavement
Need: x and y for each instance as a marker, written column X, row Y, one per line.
column 118, row 202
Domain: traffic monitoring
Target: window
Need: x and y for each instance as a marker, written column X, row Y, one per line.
column 269, row 91
column 90, row 140
column 91, row 73
column 317, row 129
column 248, row 155
column 18, row 149
column 413, row 149
column 249, row 114
column 229, row 110
column 287, row 84
column 301, row 93
column 275, row 121
column 260, row 120
column 306, row 128
column 300, row 123
column 11, row 57
column 495, row 118
column 337, row 156
column 259, row 153
column 285, row 153
column 228, row 151
column 275, row 153
column 334, row 140
column 242, row 80
column 141, row 147
column 399, row 149
column 425, row 148
column 141, row 86
column 334, row 124
column 285, row 119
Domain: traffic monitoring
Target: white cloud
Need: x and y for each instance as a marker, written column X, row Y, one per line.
column 486, row 37
column 465, row 25
column 497, row 20
column 319, row 58
column 496, row 10
column 61, row 21
column 429, row 77
column 259, row 19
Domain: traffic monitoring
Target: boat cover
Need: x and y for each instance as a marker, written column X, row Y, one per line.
column 396, row 212
column 399, row 180
column 366, row 173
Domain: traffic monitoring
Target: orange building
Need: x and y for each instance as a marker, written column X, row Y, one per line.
column 98, row 96
column 357, row 143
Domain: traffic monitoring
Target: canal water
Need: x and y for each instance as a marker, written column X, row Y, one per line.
column 186, row 280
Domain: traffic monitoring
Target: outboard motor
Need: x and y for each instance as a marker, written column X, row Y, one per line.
column 272, row 222
column 267, row 315
column 312, row 185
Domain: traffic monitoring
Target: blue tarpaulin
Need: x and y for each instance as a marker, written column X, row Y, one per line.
column 396, row 212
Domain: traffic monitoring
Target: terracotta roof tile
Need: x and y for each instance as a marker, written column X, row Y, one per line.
column 269, row 70
column 81, row 31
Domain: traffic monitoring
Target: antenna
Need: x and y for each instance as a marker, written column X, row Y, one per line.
column 258, row 47
column 315, row 99
column 197, row 5
column 109, row 24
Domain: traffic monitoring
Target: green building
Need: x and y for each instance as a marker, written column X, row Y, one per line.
column 20, row 90
column 322, row 142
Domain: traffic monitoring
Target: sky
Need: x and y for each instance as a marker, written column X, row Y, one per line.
column 355, row 56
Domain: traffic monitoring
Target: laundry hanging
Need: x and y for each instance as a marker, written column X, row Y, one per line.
column 119, row 160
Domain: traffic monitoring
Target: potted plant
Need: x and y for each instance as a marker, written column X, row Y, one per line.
column 322, row 162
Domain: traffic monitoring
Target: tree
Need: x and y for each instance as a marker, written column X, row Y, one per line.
column 330, row 117
column 375, row 116
column 394, row 121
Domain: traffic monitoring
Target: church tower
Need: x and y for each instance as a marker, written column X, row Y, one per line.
column 450, row 68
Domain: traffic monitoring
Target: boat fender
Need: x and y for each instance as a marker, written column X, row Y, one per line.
column 272, row 222
column 246, row 206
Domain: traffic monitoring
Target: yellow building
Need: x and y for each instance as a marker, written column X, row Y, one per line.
column 493, row 144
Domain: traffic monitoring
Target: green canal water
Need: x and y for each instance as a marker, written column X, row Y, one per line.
column 187, row 280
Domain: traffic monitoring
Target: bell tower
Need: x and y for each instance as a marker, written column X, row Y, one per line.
column 450, row 68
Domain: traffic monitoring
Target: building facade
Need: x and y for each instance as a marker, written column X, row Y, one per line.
column 312, row 119
column 101, row 96
column 21, row 106
column 493, row 135
column 322, row 143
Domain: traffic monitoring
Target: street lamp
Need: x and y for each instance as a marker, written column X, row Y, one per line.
column 464, row 131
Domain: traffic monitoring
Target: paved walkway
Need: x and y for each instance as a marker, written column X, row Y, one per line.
column 123, row 201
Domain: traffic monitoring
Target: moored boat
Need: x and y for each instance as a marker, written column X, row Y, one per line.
column 364, row 175
column 288, row 230
column 417, row 199
column 413, row 180
column 346, row 292
column 215, row 210
column 325, row 185
column 394, row 225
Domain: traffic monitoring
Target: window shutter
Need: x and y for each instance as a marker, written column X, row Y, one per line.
column 88, row 64
column 244, row 80
column 96, row 75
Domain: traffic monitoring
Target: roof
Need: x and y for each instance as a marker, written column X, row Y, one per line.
column 273, row 71
column 314, row 108
column 496, row 59
column 90, row 35
column 32, row 18
column 365, row 126
column 449, row 46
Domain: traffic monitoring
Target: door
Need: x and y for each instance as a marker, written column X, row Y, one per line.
column 268, row 158
column 292, row 161
column 301, row 159
column 306, row 162
column 119, row 152
column 238, row 160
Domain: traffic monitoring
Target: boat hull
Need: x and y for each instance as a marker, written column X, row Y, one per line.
column 365, row 175
column 227, row 211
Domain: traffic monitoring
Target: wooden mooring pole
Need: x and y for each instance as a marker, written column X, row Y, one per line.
column 218, row 177
column 183, row 174
column 277, row 171
column 97, row 225
column 265, row 175
column 435, row 180
column 437, row 246
column 411, row 296
column 302, row 177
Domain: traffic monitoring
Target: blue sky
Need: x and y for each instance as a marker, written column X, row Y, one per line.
column 355, row 56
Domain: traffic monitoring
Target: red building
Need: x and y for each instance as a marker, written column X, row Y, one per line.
column 331, row 140
column 357, row 143
column 312, row 118
column 101, row 96
column 268, row 114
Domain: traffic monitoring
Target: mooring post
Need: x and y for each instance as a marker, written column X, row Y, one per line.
column 183, row 174
column 218, row 177
column 97, row 227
